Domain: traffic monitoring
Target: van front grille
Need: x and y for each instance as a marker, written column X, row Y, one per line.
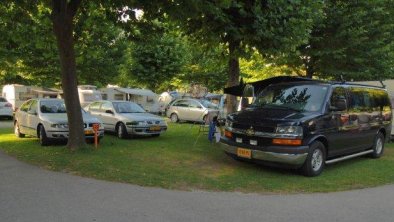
column 265, row 129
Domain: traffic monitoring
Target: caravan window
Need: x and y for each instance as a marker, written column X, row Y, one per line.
column 118, row 96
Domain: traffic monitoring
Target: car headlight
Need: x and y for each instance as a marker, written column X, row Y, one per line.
column 290, row 130
column 60, row 125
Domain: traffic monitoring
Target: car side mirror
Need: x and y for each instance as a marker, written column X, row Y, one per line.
column 338, row 105
column 109, row 111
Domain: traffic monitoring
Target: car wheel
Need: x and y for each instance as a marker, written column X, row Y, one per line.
column 315, row 161
column 44, row 141
column 174, row 118
column 121, row 131
column 17, row 130
column 378, row 146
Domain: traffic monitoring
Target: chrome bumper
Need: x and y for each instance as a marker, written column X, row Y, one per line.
column 285, row 158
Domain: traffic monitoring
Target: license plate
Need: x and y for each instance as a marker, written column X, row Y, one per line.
column 87, row 132
column 154, row 128
column 245, row 153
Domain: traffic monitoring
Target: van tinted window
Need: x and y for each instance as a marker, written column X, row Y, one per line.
column 298, row 97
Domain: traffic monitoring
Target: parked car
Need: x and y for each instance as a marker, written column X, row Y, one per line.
column 47, row 120
column 190, row 110
column 5, row 108
column 127, row 118
column 308, row 124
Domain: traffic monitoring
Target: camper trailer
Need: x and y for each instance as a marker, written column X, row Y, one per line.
column 16, row 94
column 88, row 94
column 144, row 97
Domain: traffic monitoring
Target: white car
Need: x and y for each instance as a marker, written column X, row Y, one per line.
column 127, row 118
column 47, row 120
column 5, row 108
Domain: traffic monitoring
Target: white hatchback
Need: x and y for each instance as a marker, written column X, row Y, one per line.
column 5, row 108
column 47, row 120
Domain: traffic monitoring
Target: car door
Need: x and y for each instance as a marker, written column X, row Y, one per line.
column 108, row 119
column 341, row 128
column 195, row 111
column 367, row 118
column 181, row 107
column 32, row 117
column 21, row 117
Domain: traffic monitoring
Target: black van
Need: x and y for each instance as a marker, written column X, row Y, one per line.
column 303, row 123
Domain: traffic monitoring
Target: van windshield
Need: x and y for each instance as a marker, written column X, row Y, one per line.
column 294, row 97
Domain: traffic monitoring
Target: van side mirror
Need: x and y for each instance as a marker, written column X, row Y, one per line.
column 109, row 111
column 338, row 105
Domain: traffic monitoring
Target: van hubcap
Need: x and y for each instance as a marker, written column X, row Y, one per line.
column 379, row 145
column 317, row 159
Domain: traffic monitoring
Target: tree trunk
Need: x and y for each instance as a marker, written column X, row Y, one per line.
column 62, row 16
column 233, row 74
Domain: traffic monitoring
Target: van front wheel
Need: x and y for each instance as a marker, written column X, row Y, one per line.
column 315, row 161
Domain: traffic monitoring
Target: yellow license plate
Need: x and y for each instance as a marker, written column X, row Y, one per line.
column 89, row 132
column 154, row 128
column 245, row 153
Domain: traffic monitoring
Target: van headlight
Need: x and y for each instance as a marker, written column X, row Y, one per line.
column 60, row 125
column 290, row 130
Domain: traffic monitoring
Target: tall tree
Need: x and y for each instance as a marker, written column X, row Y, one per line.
column 355, row 39
column 271, row 26
column 63, row 13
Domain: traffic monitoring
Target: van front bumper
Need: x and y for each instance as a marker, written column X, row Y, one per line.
column 293, row 156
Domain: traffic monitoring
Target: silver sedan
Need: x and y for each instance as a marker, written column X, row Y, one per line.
column 47, row 120
column 127, row 118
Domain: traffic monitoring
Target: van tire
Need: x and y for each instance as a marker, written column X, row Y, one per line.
column 121, row 131
column 378, row 146
column 315, row 161
column 174, row 118
column 42, row 136
column 17, row 130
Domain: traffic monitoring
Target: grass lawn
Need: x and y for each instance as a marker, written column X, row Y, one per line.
column 181, row 159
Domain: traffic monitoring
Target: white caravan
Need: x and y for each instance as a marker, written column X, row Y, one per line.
column 88, row 94
column 16, row 94
column 144, row 97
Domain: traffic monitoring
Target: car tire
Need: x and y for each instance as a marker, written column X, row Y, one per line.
column 42, row 136
column 315, row 161
column 17, row 130
column 174, row 118
column 121, row 131
column 378, row 146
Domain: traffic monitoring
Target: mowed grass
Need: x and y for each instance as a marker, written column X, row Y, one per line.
column 183, row 159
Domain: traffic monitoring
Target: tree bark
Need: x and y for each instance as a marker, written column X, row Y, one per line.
column 233, row 74
column 62, row 17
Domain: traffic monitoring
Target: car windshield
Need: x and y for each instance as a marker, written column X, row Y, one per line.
column 52, row 106
column 208, row 104
column 294, row 97
column 127, row 107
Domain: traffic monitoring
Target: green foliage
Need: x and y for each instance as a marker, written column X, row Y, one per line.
column 354, row 39
column 28, row 50
column 157, row 59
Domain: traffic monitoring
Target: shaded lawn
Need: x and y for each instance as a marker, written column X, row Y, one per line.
column 183, row 159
